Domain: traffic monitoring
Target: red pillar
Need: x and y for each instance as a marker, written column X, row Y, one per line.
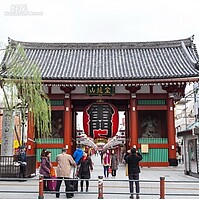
column 162, row 187
column 67, row 123
column 67, row 118
column 171, row 130
column 133, row 120
column 30, row 135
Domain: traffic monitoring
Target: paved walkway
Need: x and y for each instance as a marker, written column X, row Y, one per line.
column 175, row 183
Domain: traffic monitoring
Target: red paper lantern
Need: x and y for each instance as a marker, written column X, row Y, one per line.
column 100, row 120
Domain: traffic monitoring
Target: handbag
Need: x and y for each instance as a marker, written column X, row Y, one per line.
column 126, row 170
column 51, row 183
column 52, row 172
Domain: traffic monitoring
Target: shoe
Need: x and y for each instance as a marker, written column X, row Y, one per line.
column 69, row 195
column 86, row 189
column 131, row 196
column 81, row 189
column 137, row 197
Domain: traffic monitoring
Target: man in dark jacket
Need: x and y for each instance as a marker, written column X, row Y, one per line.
column 22, row 161
column 133, row 158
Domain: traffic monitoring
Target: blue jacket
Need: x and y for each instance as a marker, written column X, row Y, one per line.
column 77, row 155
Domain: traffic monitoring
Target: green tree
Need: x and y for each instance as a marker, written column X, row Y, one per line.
column 22, row 86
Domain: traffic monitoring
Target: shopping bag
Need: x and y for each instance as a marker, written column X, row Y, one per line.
column 110, row 170
column 126, row 170
column 52, row 184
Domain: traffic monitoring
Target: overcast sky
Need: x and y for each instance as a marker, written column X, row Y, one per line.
column 98, row 20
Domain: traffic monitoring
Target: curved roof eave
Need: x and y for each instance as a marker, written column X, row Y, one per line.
column 135, row 82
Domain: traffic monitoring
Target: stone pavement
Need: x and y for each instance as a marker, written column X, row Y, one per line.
column 176, row 182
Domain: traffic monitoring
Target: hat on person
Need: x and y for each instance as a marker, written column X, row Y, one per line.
column 133, row 150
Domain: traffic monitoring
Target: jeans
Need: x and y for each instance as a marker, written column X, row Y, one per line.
column 137, row 185
column 106, row 171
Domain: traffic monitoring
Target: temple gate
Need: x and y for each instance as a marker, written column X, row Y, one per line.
column 142, row 79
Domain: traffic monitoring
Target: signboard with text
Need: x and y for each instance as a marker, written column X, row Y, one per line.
column 100, row 90
column 144, row 148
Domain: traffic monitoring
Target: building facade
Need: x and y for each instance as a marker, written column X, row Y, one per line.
column 142, row 79
column 187, row 130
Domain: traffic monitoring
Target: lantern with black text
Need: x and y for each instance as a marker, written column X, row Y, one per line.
column 100, row 120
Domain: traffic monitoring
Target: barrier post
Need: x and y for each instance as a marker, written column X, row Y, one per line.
column 41, row 183
column 162, row 187
column 100, row 187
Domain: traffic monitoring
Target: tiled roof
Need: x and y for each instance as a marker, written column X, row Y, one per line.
column 129, row 61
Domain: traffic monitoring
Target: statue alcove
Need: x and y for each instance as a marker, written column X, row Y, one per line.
column 152, row 124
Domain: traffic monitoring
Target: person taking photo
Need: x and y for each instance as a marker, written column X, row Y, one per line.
column 133, row 158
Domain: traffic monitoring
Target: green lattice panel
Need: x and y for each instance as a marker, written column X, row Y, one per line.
column 49, row 140
column 155, row 155
column 56, row 102
column 153, row 140
column 149, row 102
column 54, row 153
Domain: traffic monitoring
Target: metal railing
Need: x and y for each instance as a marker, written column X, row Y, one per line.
column 9, row 168
column 108, row 188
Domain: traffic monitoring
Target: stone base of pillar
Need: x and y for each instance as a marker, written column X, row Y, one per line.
column 173, row 162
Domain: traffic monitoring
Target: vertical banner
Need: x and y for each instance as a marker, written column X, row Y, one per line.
column 7, row 133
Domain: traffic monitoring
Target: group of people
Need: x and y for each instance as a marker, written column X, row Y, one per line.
column 110, row 163
column 132, row 159
column 80, row 161
column 83, row 166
